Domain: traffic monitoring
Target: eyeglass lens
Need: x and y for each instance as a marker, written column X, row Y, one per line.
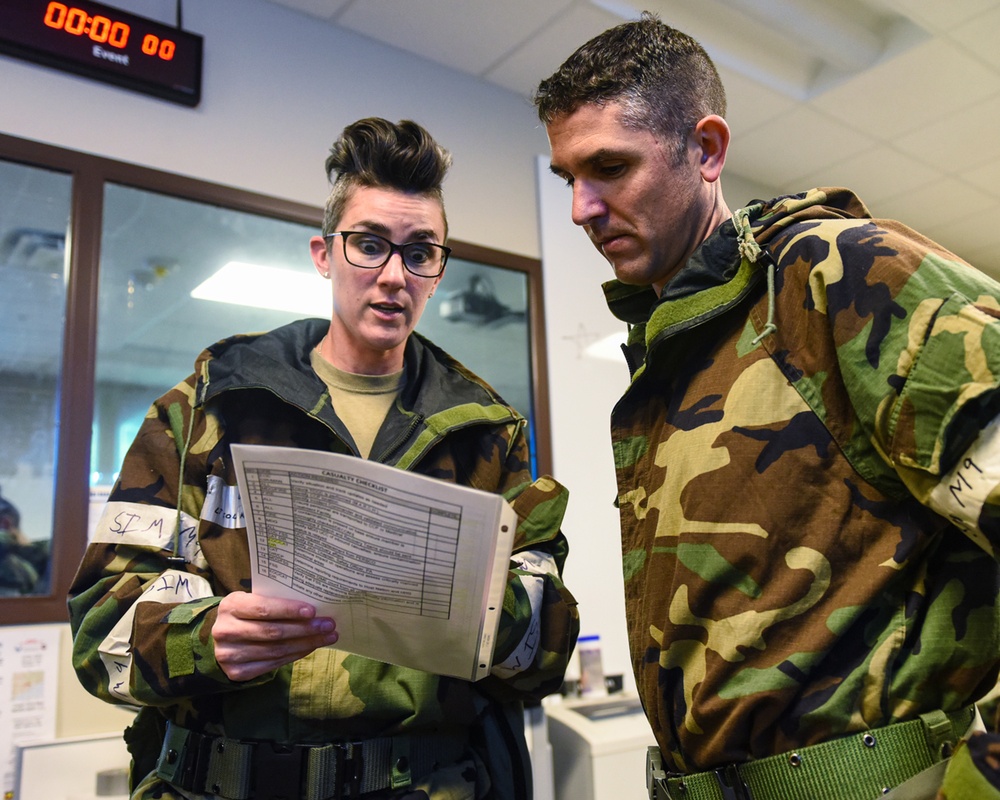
column 369, row 250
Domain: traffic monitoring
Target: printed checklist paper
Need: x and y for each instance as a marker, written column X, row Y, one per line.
column 413, row 569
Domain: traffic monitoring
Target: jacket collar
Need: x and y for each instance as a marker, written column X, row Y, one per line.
column 715, row 278
column 440, row 394
column 717, row 262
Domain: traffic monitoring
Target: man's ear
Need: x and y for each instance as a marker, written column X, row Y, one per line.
column 711, row 137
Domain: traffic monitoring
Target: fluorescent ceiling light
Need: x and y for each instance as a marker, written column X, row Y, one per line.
column 609, row 348
column 266, row 287
column 800, row 48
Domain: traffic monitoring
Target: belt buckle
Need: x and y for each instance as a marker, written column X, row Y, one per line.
column 193, row 769
column 731, row 783
column 656, row 776
column 350, row 767
column 657, row 786
column 279, row 771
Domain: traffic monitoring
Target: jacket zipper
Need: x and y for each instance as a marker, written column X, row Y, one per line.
column 400, row 440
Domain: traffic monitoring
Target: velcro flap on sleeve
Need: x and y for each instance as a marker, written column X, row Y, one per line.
column 956, row 365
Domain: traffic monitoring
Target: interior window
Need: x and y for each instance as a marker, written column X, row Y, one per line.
column 114, row 277
column 34, row 218
column 480, row 315
column 162, row 257
column 157, row 253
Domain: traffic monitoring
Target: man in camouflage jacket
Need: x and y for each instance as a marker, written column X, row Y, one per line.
column 171, row 548
column 807, row 457
column 792, row 521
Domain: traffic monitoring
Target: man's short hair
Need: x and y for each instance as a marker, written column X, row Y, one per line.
column 663, row 79
column 378, row 153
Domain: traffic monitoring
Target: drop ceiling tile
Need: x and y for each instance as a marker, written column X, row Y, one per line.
column 987, row 259
column 949, row 142
column 539, row 55
column 750, row 103
column 324, row 9
column 980, row 36
column 913, row 90
column 877, row 173
column 931, row 208
column 942, row 15
column 471, row 37
column 984, row 176
column 975, row 237
column 741, row 42
column 795, row 144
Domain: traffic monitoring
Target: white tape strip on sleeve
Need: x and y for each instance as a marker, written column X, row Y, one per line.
column 523, row 656
column 149, row 526
column 961, row 494
column 173, row 586
column 223, row 504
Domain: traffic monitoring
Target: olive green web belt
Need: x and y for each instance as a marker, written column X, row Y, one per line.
column 240, row 769
column 861, row 765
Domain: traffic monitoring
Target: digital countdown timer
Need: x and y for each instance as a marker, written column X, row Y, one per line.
column 97, row 41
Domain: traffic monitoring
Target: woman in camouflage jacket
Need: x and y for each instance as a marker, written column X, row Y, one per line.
column 156, row 605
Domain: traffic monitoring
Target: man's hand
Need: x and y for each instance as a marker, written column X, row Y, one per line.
column 255, row 634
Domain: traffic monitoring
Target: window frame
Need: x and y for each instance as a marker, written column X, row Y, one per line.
column 75, row 407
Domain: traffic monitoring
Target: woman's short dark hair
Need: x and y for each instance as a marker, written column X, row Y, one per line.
column 663, row 79
column 379, row 153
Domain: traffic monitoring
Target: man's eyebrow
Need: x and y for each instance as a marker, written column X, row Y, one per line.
column 597, row 157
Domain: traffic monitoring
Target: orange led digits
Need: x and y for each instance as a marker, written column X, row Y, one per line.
column 103, row 30
column 155, row 46
column 105, row 43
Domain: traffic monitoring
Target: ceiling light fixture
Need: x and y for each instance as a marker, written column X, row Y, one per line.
column 260, row 286
column 800, row 48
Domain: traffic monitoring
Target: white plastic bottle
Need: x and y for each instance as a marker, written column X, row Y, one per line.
column 591, row 670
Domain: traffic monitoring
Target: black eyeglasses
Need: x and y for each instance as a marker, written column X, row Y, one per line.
column 371, row 251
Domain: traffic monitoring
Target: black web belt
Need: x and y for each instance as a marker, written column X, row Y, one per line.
column 241, row 769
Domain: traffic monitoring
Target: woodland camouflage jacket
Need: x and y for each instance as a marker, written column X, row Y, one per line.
column 809, row 549
column 142, row 622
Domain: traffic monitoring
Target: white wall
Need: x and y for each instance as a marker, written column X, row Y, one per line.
column 278, row 88
column 582, row 392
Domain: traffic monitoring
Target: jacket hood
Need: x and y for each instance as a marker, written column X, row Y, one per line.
column 776, row 216
column 717, row 261
column 439, row 395
column 724, row 269
column 277, row 360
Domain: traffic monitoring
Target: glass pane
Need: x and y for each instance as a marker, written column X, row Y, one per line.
column 479, row 314
column 156, row 249
column 34, row 219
